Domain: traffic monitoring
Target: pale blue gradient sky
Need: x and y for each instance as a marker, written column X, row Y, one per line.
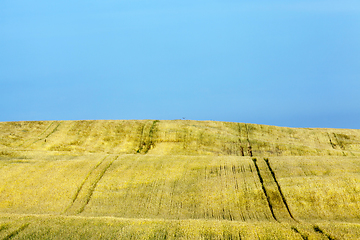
column 285, row 63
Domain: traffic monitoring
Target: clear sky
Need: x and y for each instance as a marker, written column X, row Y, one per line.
column 285, row 63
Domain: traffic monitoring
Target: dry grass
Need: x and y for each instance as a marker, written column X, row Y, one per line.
column 61, row 227
column 321, row 188
column 177, row 180
column 42, row 183
column 178, row 138
column 180, row 187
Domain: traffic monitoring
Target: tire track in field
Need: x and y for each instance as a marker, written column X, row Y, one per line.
column 85, row 191
column 264, row 190
column 306, row 233
column 45, row 134
column 302, row 235
column 272, row 190
column 278, row 187
column 248, row 140
column 84, row 181
column 279, row 209
column 16, row 232
column 337, row 143
column 4, row 226
column 38, row 135
column 241, row 147
column 319, row 230
column 147, row 141
column 333, row 145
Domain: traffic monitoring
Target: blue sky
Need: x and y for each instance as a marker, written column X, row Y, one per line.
column 285, row 63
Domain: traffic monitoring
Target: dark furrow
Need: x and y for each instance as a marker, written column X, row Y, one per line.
column 151, row 142
column 53, row 130
column 38, row 135
column 304, row 237
column 4, row 227
column 251, row 170
column 248, row 140
column 141, row 144
column 278, row 186
column 85, row 190
column 46, row 129
column 82, row 184
column 93, row 186
column 147, row 142
column 331, row 143
column 263, row 188
column 339, row 142
column 240, row 142
column 17, row 231
column 231, row 217
column 319, row 230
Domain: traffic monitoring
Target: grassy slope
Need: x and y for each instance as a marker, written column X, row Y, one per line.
column 178, row 137
column 179, row 179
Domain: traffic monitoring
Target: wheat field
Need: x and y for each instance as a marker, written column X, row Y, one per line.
column 179, row 179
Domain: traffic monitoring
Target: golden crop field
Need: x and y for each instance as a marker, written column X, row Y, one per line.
column 177, row 179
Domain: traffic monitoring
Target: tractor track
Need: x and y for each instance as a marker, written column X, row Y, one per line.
column 280, row 210
column 250, row 152
column 42, row 136
column 319, row 230
column 279, row 188
column 241, row 147
column 147, row 141
column 264, row 190
column 275, row 198
column 303, row 236
column 16, row 232
column 85, row 191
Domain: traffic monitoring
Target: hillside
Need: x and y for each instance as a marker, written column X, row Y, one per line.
column 180, row 137
column 177, row 179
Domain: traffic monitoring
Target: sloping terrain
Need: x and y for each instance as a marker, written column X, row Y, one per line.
column 178, row 137
column 177, row 180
